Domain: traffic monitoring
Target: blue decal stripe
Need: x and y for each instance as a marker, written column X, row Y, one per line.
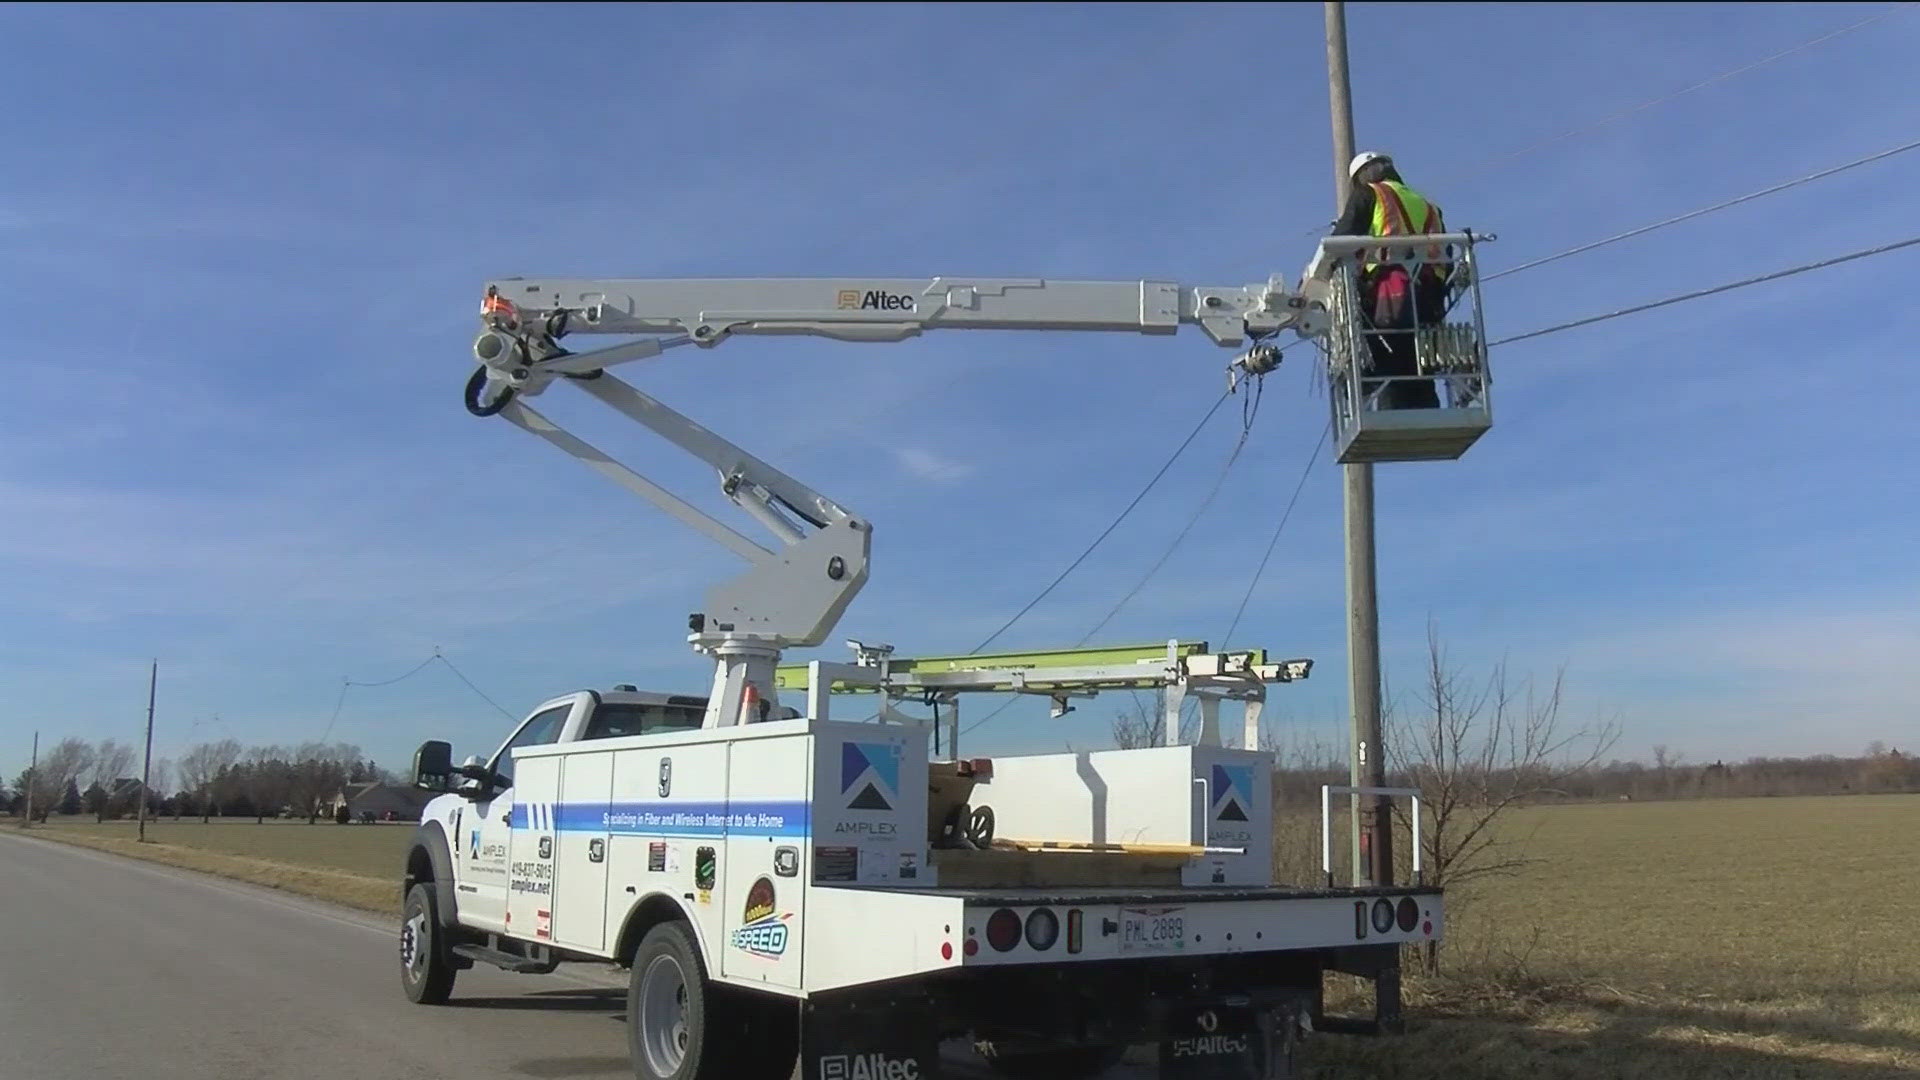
column 706, row 818
column 675, row 817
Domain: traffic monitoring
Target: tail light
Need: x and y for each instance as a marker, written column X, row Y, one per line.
column 1409, row 914
column 1383, row 915
column 1003, row 930
column 1043, row 929
column 1074, row 918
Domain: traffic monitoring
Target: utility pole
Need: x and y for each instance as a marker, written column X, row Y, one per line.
column 1372, row 815
column 33, row 780
column 1367, row 767
column 146, row 768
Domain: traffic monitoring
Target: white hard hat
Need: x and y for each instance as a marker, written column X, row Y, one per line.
column 1362, row 160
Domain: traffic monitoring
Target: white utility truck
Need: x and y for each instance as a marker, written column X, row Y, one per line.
column 796, row 895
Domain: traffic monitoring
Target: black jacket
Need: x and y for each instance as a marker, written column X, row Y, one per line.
column 1357, row 220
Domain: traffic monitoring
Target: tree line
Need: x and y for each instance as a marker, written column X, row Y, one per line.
column 223, row 779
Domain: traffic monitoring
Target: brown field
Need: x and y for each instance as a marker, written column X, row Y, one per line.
column 1740, row 938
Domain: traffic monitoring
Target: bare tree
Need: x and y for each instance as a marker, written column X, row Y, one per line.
column 1143, row 721
column 111, row 760
column 159, row 781
column 201, row 766
column 196, row 776
column 1665, row 763
column 1476, row 750
column 60, row 768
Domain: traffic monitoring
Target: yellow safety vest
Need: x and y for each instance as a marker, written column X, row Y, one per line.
column 1398, row 210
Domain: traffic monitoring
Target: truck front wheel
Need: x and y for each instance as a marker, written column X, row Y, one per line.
column 425, row 971
column 671, row 1032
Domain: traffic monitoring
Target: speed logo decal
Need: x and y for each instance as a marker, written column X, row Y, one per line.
column 762, row 933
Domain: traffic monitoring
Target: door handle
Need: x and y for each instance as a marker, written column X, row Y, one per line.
column 506, row 818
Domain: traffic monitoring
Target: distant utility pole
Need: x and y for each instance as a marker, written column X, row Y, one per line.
column 1372, row 815
column 146, row 768
column 33, row 779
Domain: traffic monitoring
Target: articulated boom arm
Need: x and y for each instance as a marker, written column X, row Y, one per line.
column 870, row 309
column 795, row 596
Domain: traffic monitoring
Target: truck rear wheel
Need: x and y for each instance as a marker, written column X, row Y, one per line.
column 671, row 1032
column 425, row 971
column 1058, row 1063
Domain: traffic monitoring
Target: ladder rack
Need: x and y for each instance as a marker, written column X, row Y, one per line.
column 1176, row 669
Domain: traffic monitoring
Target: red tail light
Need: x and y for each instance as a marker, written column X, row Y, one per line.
column 1003, row 930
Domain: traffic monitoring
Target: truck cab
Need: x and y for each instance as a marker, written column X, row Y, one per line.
column 477, row 816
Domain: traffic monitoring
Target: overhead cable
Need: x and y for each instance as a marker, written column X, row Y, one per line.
column 1248, row 411
column 1644, row 229
column 346, row 684
column 1697, row 294
column 1226, row 639
column 1108, row 531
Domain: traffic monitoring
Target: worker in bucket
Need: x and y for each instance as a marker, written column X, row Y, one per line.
column 1392, row 301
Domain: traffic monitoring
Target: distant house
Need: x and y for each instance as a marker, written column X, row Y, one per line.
column 375, row 801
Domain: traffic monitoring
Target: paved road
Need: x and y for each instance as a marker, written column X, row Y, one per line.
column 113, row 967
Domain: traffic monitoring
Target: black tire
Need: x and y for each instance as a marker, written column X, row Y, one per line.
column 1060, row 1063
column 691, row 1046
column 426, row 969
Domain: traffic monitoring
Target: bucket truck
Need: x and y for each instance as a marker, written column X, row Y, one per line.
column 795, row 894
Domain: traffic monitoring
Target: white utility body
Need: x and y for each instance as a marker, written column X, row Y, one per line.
column 802, row 895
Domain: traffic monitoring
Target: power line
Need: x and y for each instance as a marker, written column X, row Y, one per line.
column 1226, row 639
column 1729, row 287
column 1108, row 531
column 1502, row 159
column 457, row 674
column 1644, row 229
column 389, row 682
column 1008, row 704
column 346, row 684
column 1240, row 444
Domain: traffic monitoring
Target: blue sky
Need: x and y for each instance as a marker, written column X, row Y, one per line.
column 244, row 248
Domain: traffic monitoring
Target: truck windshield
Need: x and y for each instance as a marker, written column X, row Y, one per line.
column 611, row 721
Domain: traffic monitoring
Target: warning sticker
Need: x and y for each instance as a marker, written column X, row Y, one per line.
column 836, row 864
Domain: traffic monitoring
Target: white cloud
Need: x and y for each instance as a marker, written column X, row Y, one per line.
column 927, row 465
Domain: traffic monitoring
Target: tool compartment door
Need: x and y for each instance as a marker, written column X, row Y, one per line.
column 767, row 818
column 530, row 854
column 580, row 851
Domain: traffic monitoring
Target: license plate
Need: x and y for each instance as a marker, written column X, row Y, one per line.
column 1153, row 929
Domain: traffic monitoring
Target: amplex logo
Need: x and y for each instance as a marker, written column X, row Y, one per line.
column 1232, row 792
column 870, row 773
column 874, row 300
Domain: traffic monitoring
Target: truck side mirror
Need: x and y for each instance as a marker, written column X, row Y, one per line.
column 433, row 766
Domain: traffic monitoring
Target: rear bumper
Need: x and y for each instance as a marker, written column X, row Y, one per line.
column 857, row 937
column 1096, row 928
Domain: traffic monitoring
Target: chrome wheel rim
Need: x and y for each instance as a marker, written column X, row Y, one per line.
column 413, row 950
column 663, row 1015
